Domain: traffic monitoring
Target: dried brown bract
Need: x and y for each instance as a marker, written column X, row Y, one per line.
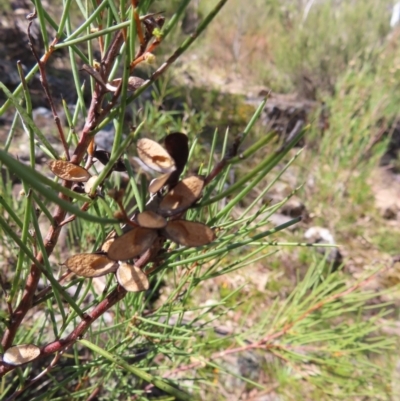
column 104, row 157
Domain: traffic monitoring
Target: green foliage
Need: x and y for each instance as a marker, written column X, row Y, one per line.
column 284, row 47
column 319, row 338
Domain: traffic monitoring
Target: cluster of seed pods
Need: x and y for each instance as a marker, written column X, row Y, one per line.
column 171, row 197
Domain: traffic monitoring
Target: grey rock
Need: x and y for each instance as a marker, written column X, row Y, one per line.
column 104, row 139
column 320, row 235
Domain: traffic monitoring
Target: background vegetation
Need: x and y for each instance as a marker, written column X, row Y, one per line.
column 273, row 319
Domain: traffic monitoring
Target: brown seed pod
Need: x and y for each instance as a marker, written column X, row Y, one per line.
column 188, row 233
column 159, row 182
column 68, row 171
column 155, row 156
column 20, row 354
column 133, row 84
column 108, row 241
column 90, row 265
column 89, row 184
column 149, row 219
column 132, row 243
column 132, row 278
column 104, row 157
column 183, row 195
column 177, row 146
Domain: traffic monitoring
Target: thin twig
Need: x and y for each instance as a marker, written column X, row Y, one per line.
column 35, row 380
column 32, row 280
column 45, row 85
column 60, row 345
column 266, row 343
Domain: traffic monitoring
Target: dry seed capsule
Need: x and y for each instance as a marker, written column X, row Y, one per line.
column 132, row 278
column 177, row 145
column 20, row 354
column 188, row 233
column 89, row 184
column 132, row 244
column 109, row 240
column 149, row 219
column 182, row 196
column 133, row 84
column 68, row 171
column 90, row 265
column 158, row 183
column 155, row 156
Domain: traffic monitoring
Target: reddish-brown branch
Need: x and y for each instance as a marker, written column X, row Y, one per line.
column 45, row 85
column 51, row 238
column 33, row 278
column 138, row 24
column 38, row 298
column 60, row 345
column 221, row 165
column 94, row 394
column 111, row 53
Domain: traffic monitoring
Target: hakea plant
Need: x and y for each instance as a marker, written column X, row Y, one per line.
column 146, row 232
column 148, row 229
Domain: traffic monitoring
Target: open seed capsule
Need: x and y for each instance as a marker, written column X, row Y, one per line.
column 109, row 240
column 188, row 233
column 90, row 265
column 133, row 84
column 155, row 156
column 132, row 278
column 182, row 196
column 20, row 354
column 89, row 184
column 104, row 157
column 159, row 182
column 68, row 171
column 132, row 244
column 178, row 147
column 149, row 219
